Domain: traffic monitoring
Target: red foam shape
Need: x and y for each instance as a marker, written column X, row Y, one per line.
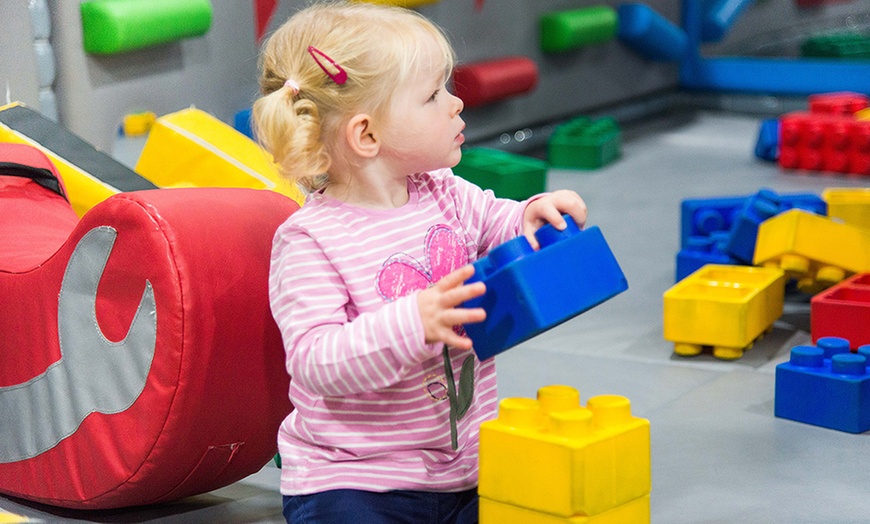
column 843, row 311
column 481, row 83
column 216, row 389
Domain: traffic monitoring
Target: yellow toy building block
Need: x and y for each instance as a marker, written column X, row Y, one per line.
column 553, row 456
column 849, row 204
column 723, row 307
column 815, row 250
column 90, row 176
column 863, row 114
column 193, row 148
column 635, row 512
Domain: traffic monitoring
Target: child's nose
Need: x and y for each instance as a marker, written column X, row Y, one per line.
column 459, row 105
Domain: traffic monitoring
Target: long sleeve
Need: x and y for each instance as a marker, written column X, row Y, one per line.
column 327, row 353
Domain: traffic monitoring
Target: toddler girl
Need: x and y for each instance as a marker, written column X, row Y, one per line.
column 367, row 278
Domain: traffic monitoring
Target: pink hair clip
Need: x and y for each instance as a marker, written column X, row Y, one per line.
column 340, row 77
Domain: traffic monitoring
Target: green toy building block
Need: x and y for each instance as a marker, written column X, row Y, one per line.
column 583, row 143
column 842, row 45
column 508, row 175
column 116, row 26
column 566, row 30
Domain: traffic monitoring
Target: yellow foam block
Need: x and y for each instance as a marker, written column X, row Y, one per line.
column 863, row 114
column 90, row 176
column 724, row 307
column 193, row 148
column 552, row 455
column 400, row 3
column 849, row 204
column 816, row 250
column 11, row 518
column 635, row 512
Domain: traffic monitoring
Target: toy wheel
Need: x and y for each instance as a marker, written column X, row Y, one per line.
column 795, row 265
column 726, row 353
column 686, row 350
column 830, row 275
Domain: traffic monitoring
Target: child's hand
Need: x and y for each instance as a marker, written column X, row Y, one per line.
column 439, row 311
column 549, row 210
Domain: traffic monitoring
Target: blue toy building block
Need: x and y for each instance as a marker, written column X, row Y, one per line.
column 529, row 292
column 761, row 206
column 767, row 144
column 702, row 217
column 650, row 34
column 700, row 251
column 825, row 385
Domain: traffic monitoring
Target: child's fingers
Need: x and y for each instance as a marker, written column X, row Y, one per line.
column 455, row 277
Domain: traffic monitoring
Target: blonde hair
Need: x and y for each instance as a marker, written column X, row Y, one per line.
column 376, row 45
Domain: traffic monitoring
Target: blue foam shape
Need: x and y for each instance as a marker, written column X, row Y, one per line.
column 702, row 217
column 767, row 144
column 529, row 292
column 650, row 34
column 825, row 388
column 720, row 16
column 242, row 123
column 758, row 208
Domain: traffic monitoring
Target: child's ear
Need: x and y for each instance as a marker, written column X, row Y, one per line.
column 361, row 136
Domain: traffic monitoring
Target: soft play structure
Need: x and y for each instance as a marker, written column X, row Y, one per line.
column 141, row 363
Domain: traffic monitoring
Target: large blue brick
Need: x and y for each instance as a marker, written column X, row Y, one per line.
column 529, row 292
column 825, row 385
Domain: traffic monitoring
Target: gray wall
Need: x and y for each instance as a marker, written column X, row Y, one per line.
column 18, row 74
column 217, row 72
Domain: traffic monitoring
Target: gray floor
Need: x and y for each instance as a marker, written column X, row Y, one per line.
column 719, row 455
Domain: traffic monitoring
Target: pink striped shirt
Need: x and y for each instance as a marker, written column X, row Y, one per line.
column 370, row 395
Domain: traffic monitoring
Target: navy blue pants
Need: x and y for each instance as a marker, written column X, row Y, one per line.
column 345, row 506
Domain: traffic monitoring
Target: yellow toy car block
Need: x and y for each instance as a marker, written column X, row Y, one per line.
column 90, row 176
column 849, row 204
column 723, row 307
column 635, row 512
column 815, row 250
column 192, row 148
column 553, row 456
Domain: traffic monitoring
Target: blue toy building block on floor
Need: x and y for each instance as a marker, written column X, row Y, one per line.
column 825, row 385
column 761, row 206
column 700, row 218
column 705, row 225
column 700, row 251
column 767, row 144
column 529, row 292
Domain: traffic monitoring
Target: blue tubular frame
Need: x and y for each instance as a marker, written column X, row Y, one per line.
column 764, row 75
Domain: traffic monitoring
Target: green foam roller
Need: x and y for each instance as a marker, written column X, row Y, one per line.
column 566, row 30
column 116, row 26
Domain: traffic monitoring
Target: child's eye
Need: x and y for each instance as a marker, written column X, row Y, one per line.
column 434, row 95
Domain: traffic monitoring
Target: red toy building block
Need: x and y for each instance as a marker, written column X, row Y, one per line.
column 843, row 103
column 823, row 142
column 481, row 83
column 843, row 311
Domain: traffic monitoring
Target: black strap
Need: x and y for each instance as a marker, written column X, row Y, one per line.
column 40, row 175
